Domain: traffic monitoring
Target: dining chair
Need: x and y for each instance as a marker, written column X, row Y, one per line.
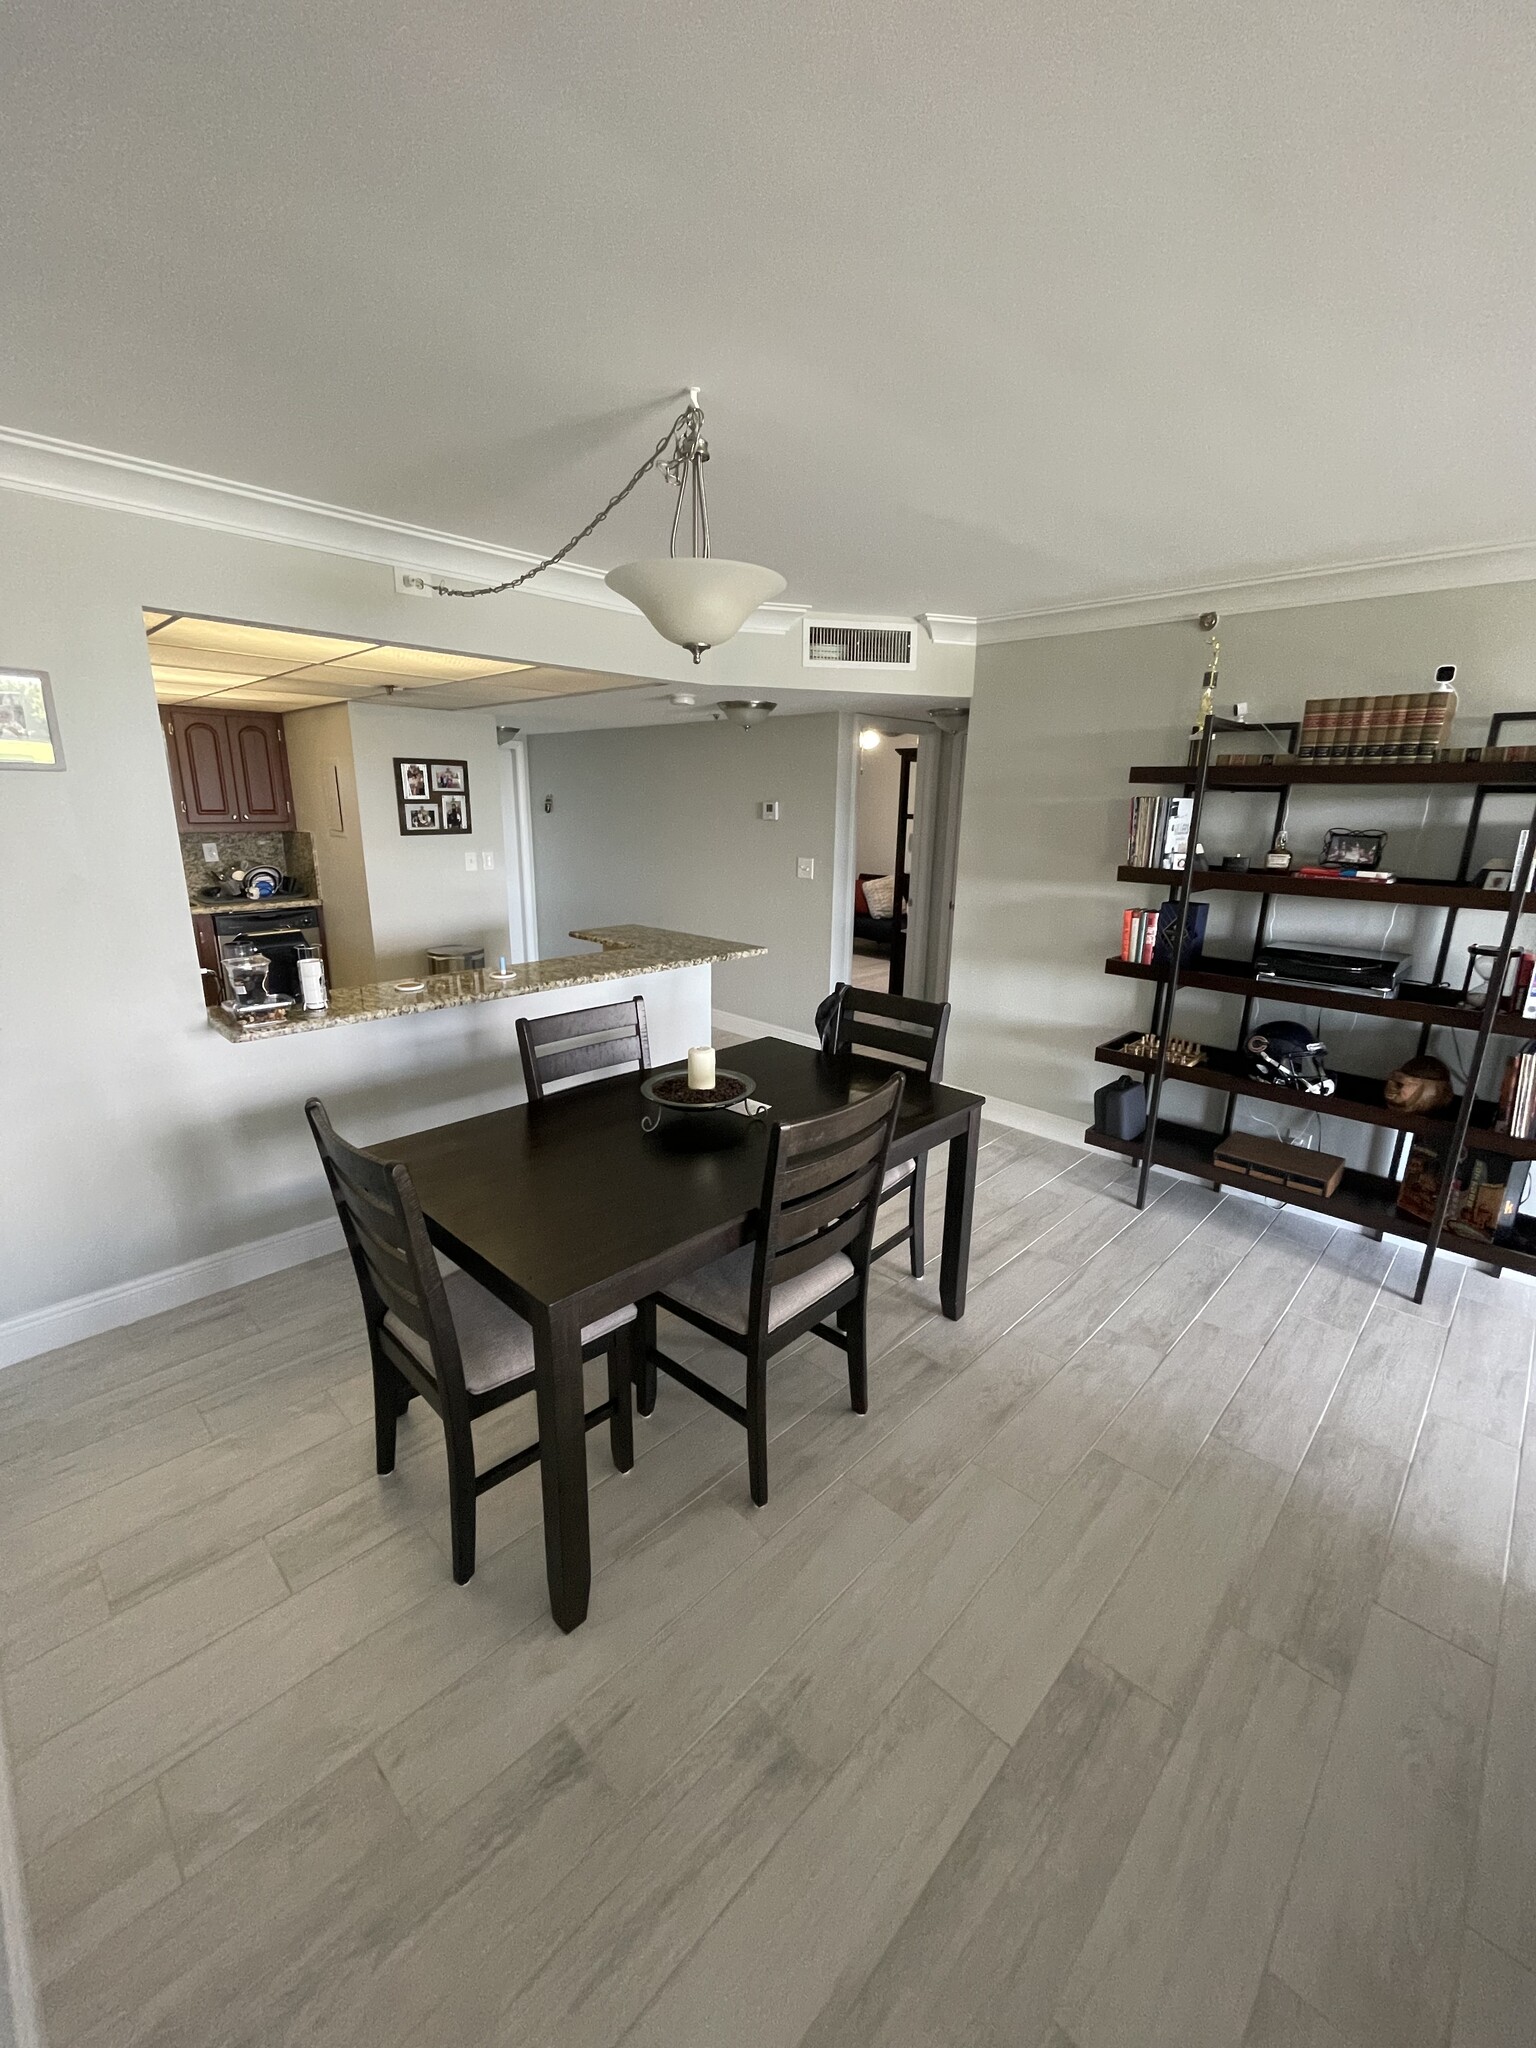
column 448, row 1338
column 582, row 1042
column 905, row 1030
column 809, row 1259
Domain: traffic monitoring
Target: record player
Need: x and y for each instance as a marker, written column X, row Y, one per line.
column 1376, row 974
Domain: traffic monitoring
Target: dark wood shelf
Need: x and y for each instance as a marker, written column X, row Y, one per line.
column 1365, row 1199
column 1357, row 1098
column 1345, row 774
column 1256, row 882
column 1421, row 1004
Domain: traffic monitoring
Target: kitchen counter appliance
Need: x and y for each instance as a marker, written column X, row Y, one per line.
column 283, row 936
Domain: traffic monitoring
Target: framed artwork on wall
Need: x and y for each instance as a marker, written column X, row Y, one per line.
column 432, row 796
column 29, row 726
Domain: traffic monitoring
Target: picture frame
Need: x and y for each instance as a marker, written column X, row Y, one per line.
column 29, row 725
column 1351, row 848
column 432, row 797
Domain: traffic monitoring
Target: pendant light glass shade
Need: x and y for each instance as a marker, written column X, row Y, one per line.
column 696, row 601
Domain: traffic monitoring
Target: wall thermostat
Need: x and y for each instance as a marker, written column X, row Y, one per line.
column 769, row 811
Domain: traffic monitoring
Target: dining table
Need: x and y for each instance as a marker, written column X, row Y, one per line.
column 568, row 1209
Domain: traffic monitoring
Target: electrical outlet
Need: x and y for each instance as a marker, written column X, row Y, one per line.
column 412, row 583
column 210, row 847
column 805, row 868
column 472, row 862
column 769, row 812
column 488, row 861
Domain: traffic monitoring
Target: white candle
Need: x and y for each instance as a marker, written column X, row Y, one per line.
column 701, row 1066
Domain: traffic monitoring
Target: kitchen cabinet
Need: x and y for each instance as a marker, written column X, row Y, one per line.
column 208, row 960
column 257, row 748
column 228, row 767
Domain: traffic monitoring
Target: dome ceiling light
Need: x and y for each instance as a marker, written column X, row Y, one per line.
column 746, row 711
column 694, row 600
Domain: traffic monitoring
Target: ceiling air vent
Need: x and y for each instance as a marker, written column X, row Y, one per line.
column 859, row 646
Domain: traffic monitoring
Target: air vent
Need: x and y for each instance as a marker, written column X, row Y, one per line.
column 859, row 646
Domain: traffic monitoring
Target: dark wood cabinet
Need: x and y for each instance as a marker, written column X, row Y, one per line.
column 259, row 753
column 208, row 960
column 228, row 767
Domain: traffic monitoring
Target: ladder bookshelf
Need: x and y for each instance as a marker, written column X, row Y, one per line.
column 1367, row 1199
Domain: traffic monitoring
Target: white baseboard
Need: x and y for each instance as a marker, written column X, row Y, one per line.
column 1040, row 1123
column 109, row 1308
column 754, row 1027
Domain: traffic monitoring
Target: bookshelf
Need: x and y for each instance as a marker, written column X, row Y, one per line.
column 1369, row 1200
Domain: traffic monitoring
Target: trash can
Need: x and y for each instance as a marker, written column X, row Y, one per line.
column 454, row 959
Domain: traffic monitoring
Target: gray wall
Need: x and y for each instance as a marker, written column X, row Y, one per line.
column 660, row 826
column 1055, row 726
column 420, row 893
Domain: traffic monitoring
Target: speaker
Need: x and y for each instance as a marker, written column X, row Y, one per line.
column 1120, row 1109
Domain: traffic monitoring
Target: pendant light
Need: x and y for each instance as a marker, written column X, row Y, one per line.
column 694, row 600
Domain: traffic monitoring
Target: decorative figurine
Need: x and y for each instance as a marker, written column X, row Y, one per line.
column 1279, row 857
column 1419, row 1086
column 1182, row 1052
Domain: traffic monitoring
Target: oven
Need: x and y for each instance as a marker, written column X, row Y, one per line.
column 278, row 933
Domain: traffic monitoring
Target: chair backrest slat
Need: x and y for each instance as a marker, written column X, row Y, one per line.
column 801, row 1220
column 582, row 1042
column 386, row 1234
column 910, row 1029
column 821, row 1190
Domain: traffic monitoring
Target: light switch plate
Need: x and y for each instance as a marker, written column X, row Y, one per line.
column 210, row 846
column 805, row 868
column 472, row 862
column 488, row 861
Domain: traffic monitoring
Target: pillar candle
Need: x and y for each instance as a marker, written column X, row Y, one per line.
column 701, row 1066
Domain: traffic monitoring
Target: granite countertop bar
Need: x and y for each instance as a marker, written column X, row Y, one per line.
column 217, row 906
column 628, row 950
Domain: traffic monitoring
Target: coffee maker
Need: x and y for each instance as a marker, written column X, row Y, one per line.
column 245, row 981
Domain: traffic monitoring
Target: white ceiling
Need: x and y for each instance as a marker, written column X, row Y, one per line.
column 994, row 307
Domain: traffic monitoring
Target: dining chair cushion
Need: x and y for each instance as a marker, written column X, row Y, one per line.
column 895, row 1175
column 723, row 1291
column 495, row 1343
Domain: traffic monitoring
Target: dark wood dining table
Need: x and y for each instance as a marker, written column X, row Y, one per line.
column 566, row 1210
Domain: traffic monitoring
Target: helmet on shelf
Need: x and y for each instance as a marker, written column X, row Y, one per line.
column 1288, row 1056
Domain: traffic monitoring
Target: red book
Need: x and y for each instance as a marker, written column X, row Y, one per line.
column 1125, row 934
column 1149, row 941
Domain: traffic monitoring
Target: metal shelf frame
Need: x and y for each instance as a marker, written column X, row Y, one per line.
column 1197, row 780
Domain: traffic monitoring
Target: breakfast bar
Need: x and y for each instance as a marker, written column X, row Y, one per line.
column 629, row 952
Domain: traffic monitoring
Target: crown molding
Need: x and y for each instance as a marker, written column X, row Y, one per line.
column 949, row 629
column 82, row 475
column 1386, row 576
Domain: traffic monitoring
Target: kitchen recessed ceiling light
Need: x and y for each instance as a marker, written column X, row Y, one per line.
column 262, row 642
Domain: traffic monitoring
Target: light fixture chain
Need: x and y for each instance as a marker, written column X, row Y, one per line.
column 689, row 418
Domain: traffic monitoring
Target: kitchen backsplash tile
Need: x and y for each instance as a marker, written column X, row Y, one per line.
column 293, row 853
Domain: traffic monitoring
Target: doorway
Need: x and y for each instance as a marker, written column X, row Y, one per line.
column 907, row 833
column 517, row 838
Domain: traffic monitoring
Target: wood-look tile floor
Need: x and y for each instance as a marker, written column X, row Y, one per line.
column 1154, row 1664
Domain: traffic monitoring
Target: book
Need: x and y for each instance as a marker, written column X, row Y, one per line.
column 1306, row 739
column 1149, row 938
column 1194, row 931
column 1486, row 1189
column 1174, row 851
column 1125, row 934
